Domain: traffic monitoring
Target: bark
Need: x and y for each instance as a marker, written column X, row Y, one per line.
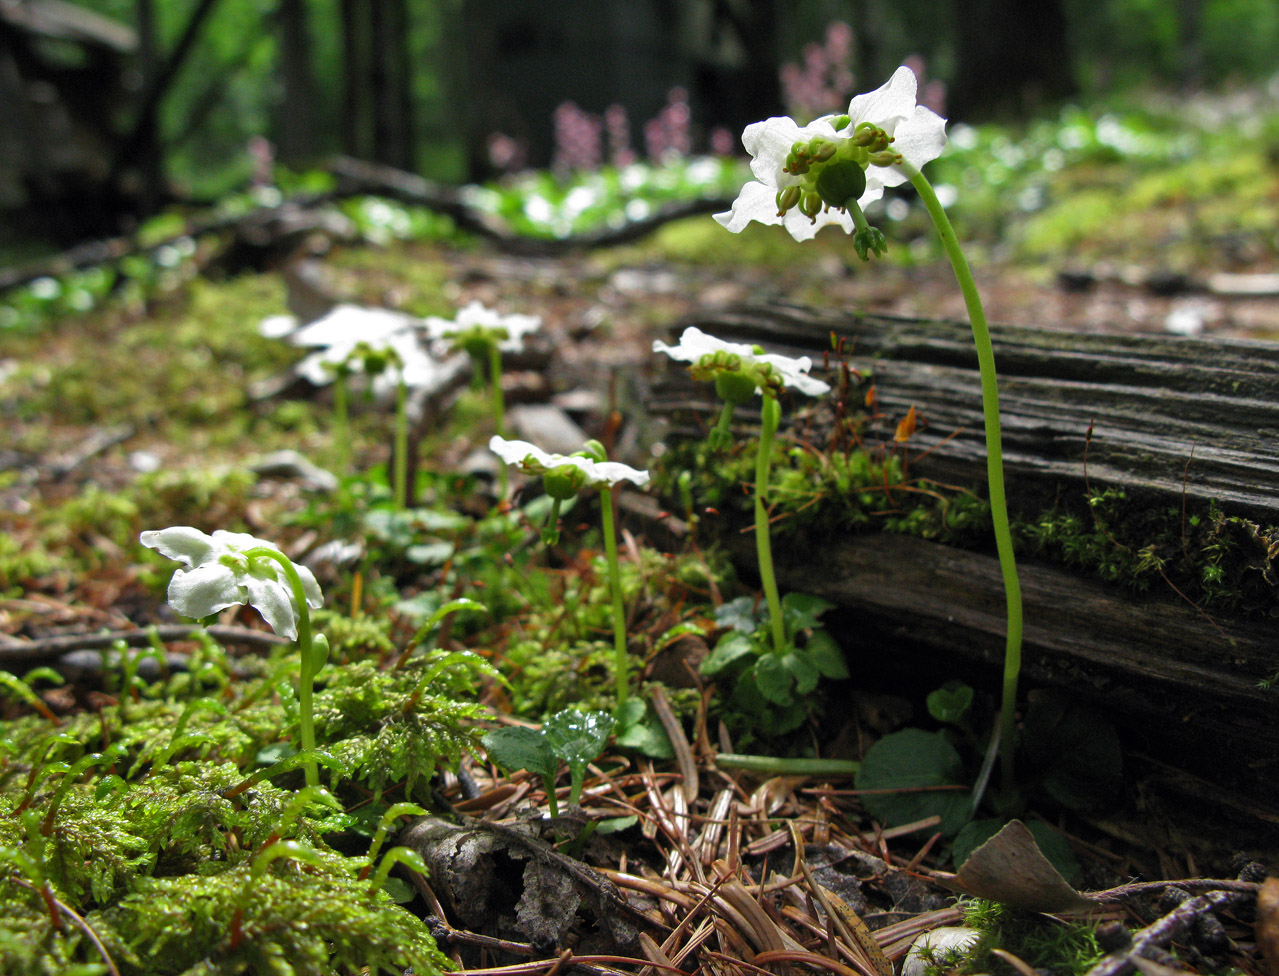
column 1011, row 57
column 296, row 128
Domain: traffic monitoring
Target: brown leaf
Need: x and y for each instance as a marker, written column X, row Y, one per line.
column 1010, row 868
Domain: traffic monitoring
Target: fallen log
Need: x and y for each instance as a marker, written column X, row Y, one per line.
column 1174, row 421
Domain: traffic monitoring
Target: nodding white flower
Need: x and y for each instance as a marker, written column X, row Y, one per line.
column 219, row 574
column 401, row 350
column 533, row 460
column 915, row 135
column 475, row 321
column 711, row 357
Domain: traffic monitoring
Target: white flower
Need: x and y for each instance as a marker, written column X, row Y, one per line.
column 475, row 318
column 918, row 136
column 695, row 344
column 220, row 575
column 534, row 460
column 421, row 370
column 351, row 324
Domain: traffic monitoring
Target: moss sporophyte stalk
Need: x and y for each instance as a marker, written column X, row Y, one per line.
column 825, row 173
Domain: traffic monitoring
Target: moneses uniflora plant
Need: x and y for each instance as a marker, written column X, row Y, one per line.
column 739, row 372
column 824, row 173
column 563, row 477
column 228, row 569
column 484, row 334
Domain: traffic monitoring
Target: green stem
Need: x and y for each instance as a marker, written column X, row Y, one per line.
column 499, row 408
column 401, row 472
column 341, row 423
column 771, row 415
column 994, row 465
column 621, row 662
column 306, row 645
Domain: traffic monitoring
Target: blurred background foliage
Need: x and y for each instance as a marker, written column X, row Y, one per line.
column 117, row 109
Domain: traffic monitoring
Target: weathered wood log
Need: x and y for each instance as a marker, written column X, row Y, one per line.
column 1172, row 416
column 1169, row 418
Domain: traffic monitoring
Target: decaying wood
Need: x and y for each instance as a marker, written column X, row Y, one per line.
column 1167, row 415
column 1169, row 418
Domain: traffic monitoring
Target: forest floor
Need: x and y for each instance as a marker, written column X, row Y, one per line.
column 140, row 413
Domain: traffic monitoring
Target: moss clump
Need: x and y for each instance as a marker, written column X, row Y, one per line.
column 1047, row 945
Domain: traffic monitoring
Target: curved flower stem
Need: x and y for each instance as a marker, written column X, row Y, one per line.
column 400, row 476
column 994, row 464
column 499, row 406
column 306, row 644
column 771, row 415
column 621, row 662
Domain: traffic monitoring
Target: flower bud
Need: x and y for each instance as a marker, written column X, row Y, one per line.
column 787, row 198
column 810, row 205
column 840, row 122
column 841, row 182
column 734, row 388
column 820, row 150
column 593, row 450
column 563, row 482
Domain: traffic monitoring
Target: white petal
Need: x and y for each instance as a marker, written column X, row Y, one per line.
column 272, row 599
column 694, row 344
column 181, row 542
column 755, row 202
column 921, row 137
column 769, row 143
column 240, row 541
column 614, row 472
column 310, row 587
column 205, row 590
column 893, row 100
column 514, row 452
column 795, row 373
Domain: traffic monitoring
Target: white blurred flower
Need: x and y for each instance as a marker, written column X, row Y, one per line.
column 219, row 574
column 476, row 322
column 534, row 460
column 916, row 133
column 710, row 356
column 404, row 352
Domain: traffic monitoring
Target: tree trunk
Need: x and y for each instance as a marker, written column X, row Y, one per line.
column 1011, row 58
column 296, row 133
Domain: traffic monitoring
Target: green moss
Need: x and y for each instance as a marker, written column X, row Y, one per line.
column 1046, row 944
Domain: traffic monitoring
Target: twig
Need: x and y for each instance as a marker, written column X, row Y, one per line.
column 1160, row 933
column 48, row 649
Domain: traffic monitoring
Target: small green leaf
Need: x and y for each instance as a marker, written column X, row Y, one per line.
column 615, row 825
column 644, row 733
column 578, row 738
column 774, row 680
column 826, row 656
column 401, row 891
column 802, row 610
column 805, row 673
column 740, row 614
column 899, row 770
column 950, row 702
column 515, row 747
column 732, row 648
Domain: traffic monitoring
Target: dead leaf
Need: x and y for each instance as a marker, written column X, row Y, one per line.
column 1010, row 868
column 906, row 427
